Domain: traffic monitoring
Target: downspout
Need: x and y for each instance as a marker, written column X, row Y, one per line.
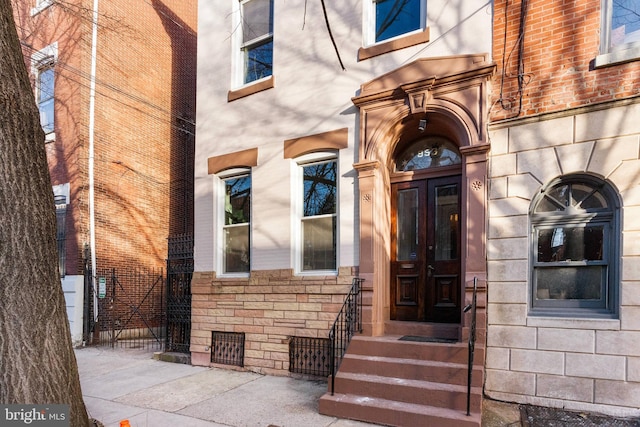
column 92, row 108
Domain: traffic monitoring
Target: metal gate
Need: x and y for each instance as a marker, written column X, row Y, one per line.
column 131, row 308
column 179, row 273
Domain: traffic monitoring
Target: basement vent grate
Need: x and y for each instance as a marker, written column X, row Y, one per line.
column 309, row 356
column 227, row 348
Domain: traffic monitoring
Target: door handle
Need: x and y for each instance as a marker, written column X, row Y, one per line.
column 430, row 269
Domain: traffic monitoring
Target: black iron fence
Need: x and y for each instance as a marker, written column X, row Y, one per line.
column 348, row 322
column 179, row 273
column 141, row 308
column 131, row 308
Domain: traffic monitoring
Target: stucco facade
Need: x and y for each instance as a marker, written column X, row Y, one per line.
column 310, row 99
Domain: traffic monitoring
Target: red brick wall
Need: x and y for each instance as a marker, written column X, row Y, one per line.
column 560, row 41
column 144, row 110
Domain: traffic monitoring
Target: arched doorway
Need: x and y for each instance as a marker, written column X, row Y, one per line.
column 425, row 265
column 404, row 115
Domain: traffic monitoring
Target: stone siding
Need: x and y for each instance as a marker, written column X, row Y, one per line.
column 576, row 363
column 270, row 307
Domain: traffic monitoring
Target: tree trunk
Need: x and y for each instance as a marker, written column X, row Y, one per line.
column 37, row 362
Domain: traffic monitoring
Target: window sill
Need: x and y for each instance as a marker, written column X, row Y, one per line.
column 316, row 273
column 395, row 44
column 618, row 57
column 42, row 6
column 574, row 323
column 232, row 276
column 251, row 88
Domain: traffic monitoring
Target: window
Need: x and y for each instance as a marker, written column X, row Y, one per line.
column 236, row 223
column 620, row 35
column 256, row 39
column 61, row 237
column 575, row 236
column 392, row 18
column 40, row 6
column 318, row 217
column 426, row 153
column 44, row 96
column 42, row 67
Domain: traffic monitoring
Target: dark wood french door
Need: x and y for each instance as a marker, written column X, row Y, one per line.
column 425, row 250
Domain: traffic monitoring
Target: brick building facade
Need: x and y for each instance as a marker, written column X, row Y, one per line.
column 115, row 83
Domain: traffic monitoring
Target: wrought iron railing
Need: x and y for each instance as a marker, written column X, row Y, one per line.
column 472, row 340
column 348, row 322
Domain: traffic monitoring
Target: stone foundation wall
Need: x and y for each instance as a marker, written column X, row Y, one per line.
column 270, row 306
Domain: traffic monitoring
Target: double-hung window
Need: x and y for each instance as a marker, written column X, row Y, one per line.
column 620, row 32
column 43, row 69
column 256, row 45
column 44, row 95
column 236, row 216
column 318, row 218
column 575, row 237
column 393, row 18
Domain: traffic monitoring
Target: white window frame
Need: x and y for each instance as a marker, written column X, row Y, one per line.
column 220, row 198
column 44, row 59
column 298, row 207
column 369, row 23
column 237, row 45
column 623, row 53
column 40, row 6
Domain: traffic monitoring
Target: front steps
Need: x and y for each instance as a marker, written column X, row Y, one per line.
column 386, row 381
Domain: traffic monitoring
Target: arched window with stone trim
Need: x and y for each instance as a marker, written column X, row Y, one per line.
column 575, row 237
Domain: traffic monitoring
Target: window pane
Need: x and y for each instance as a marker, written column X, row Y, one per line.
column 46, row 116
column 570, row 283
column 561, row 194
column 237, row 209
column 45, row 84
column 236, row 249
column 395, row 17
column 319, row 189
column 256, row 19
column 319, row 243
column 428, row 153
column 585, row 197
column 447, row 214
column 407, row 225
column 571, row 244
column 258, row 62
column 45, row 98
column 625, row 25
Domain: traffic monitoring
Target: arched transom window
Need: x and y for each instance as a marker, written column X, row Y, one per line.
column 426, row 153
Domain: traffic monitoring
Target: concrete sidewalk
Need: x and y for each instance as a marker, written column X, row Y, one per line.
column 129, row 384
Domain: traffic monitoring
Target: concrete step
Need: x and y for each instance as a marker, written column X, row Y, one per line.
column 394, row 413
column 424, row 370
column 435, row 394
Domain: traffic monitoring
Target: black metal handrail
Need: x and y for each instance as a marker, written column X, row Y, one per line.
column 348, row 321
column 472, row 340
